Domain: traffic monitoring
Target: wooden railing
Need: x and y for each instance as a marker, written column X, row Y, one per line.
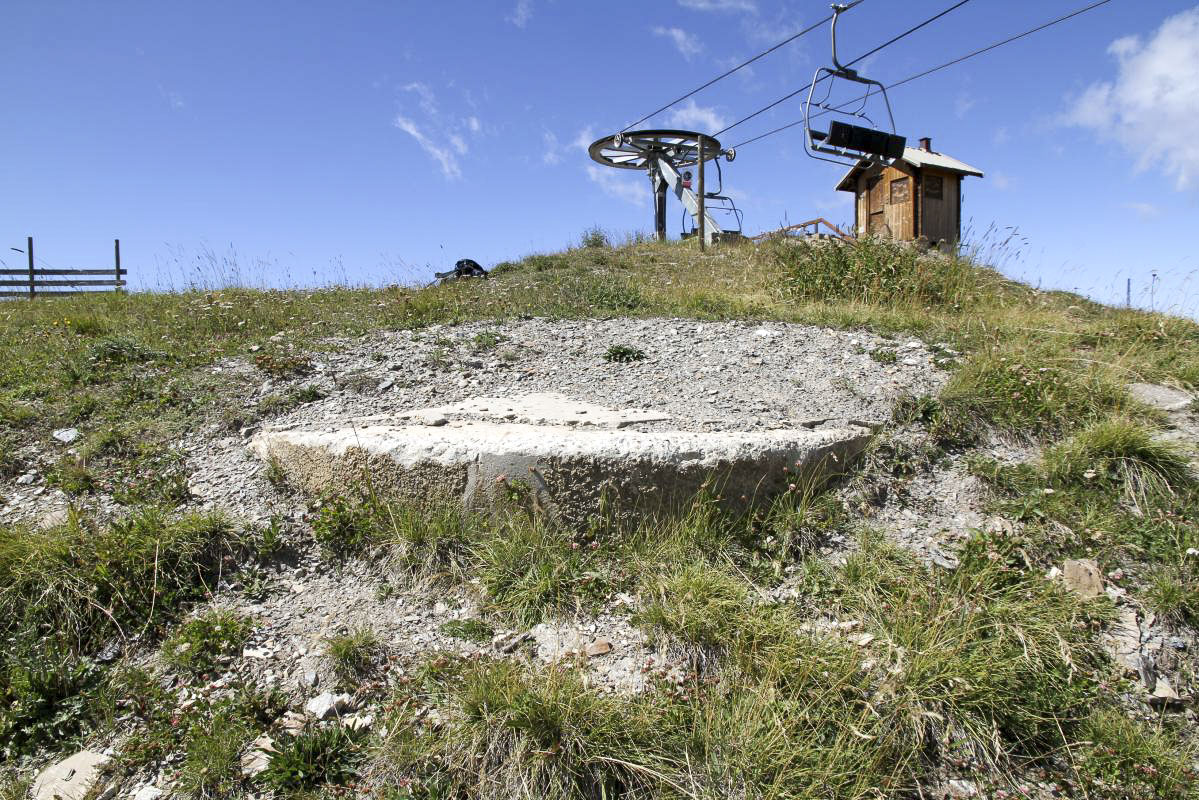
column 809, row 228
column 56, row 282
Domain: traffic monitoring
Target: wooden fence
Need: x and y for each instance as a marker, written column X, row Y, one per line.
column 57, row 282
column 809, row 228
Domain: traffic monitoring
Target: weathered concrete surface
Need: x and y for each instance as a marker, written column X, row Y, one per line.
column 544, row 408
column 561, row 468
column 70, row 779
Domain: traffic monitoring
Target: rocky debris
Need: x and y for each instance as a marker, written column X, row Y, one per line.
column 1163, row 398
column 557, row 465
column 72, row 778
column 1083, row 577
column 258, row 757
column 149, row 792
column 66, row 435
column 327, row 705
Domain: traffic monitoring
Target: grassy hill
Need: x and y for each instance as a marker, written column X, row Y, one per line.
column 986, row 673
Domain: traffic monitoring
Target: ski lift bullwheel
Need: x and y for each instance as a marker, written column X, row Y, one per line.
column 640, row 149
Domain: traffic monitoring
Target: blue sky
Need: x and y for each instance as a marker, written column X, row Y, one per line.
column 377, row 141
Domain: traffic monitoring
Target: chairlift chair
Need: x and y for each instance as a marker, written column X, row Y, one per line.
column 718, row 203
column 844, row 142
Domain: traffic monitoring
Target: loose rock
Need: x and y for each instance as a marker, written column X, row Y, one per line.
column 1082, row 576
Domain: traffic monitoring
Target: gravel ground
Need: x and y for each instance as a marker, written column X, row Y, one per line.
column 708, row 376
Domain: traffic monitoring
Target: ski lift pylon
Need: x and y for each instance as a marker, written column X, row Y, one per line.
column 845, row 142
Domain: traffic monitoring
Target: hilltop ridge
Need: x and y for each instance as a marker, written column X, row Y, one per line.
column 998, row 598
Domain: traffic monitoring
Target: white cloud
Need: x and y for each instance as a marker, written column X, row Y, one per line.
column 626, row 185
column 443, row 137
column 697, row 118
column 1001, row 181
column 688, row 44
column 1144, row 210
column 521, row 15
column 1150, row 108
column 720, row 5
column 551, row 153
column 584, row 139
column 963, row 104
column 1001, row 137
column 442, row 155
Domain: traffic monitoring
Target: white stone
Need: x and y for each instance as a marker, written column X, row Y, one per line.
column 255, row 760
column 66, row 435
column 27, row 479
column 71, row 779
column 148, row 792
column 327, row 704
column 1164, row 691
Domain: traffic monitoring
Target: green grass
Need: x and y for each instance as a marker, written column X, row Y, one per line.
column 203, row 643
column 314, row 759
column 352, row 654
column 472, row 630
column 68, row 592
column 624, row 354
column 986, row 666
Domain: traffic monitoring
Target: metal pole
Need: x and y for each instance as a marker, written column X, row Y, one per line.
column 1128, row 294
column 29, row 250
column 116, row 257
column 660, row 207
column 703, row 233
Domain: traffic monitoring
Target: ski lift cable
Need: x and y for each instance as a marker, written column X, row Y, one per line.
column 938, row 68
column 885, row 44
column 740, row 66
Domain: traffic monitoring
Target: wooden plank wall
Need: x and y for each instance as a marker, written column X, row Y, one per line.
column 939, row 216
column 886, row 202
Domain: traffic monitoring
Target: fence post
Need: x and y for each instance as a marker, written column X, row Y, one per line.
column 116, row 257
column 29, row 250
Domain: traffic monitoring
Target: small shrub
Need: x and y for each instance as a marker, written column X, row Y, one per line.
column 16, row 414
column 484, row 341
column 313, row 759
column 595, row 238
column 472, row 630
column 275, row 474
column 1122, row 452
column 614, row 298
column 1028, row 393
column 201, row 644
column 45, row 690
column 877, row 271
column 697, row 604
column 353, row 653
column 117, row 350
column 212, row 764
column 72, row 475
column 280, row 364
column 344, row 526
column 624, row 354
column 1173, row 594
column 884, row 356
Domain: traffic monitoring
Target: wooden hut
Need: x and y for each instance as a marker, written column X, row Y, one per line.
column 919, row 195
